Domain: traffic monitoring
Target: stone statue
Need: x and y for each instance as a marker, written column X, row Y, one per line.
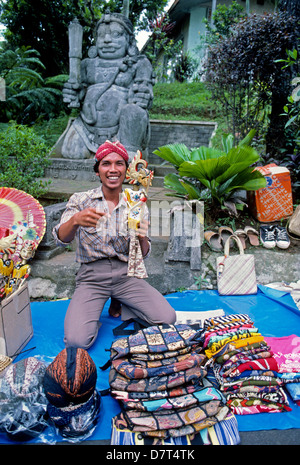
column 112, row 88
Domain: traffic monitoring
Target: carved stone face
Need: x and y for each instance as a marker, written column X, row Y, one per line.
column 112, row 41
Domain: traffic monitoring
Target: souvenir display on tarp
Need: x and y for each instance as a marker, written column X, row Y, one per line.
column 140, row 179
column 158, row 375
column 244, row 365
column 22, row 227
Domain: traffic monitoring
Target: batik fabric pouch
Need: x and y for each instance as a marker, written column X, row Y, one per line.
column 222, row 433
column 157, row 383
column 162, row 340
column 173, row 423
column 132, row 370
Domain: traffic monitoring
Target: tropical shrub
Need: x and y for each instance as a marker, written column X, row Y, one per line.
column 23, row 159
column 244, row 75
column 213, row 175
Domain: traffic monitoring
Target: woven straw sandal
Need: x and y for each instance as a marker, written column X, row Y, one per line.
column 252, row 235
column 240, row 233
column 214, row 240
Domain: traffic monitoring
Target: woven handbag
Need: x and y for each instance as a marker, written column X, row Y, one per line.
column 236, row 273
column 293, row 226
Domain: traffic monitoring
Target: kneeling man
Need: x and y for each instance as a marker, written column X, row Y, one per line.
column 97, row 219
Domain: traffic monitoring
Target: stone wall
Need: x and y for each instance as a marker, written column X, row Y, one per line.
column 191, row 133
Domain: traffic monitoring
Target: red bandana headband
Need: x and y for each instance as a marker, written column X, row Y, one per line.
column 111, row 147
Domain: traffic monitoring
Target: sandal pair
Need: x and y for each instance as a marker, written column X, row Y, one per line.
column 248, row 233
column 216, row 240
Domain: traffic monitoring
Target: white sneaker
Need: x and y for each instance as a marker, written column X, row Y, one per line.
column 268, row 236
column 282, row 238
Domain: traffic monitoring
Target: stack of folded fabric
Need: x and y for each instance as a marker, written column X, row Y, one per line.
column 158, row 376
column 286, row 351
column 243, row 365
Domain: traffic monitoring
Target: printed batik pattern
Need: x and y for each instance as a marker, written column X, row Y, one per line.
column 158, row 376
column 244, row 366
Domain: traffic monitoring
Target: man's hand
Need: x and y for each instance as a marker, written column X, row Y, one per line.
column 142, row 230
column 88, row 218
column 142, row 233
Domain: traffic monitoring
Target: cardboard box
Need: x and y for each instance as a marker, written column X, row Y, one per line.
column 15, row 322
column 275, row 201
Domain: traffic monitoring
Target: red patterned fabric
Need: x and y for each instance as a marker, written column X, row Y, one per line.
column 111, row 147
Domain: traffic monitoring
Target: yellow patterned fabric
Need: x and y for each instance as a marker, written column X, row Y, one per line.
column 234, row 340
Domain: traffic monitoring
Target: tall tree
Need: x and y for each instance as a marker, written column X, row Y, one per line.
column 291, row 7
column 43, row 24
column 246, row 76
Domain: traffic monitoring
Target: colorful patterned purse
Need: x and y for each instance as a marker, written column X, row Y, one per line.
column 236, row 273
column 223, row 433
column 156, row 342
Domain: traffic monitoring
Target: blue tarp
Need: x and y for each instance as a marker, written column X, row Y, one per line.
column 273, row 312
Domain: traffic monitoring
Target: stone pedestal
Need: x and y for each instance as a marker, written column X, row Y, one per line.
column 186, row 234
column 47, row 248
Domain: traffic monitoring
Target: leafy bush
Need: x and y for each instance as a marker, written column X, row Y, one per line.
column 29, row 96
column 245, row 77
column 23, row 159
column 206, row 173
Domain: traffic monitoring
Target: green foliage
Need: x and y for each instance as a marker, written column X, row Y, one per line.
column 292, row 108
column 291, row 112
column 141, row 12
column 182, row 100
column 184, row 66
column 244, row 76
column 28, row 94
column 43, row 24
column 208, row 173
column 23, row 159
column 224, row 18
column 161, row 41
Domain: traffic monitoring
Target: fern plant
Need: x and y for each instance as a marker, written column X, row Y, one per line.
column 206, row 173
column 28, row 94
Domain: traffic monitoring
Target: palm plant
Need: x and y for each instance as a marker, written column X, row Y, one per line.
column 206, row 173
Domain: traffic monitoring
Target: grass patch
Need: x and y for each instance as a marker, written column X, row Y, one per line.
column 182, row 101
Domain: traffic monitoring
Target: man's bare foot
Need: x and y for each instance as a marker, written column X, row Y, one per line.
column 115, row 308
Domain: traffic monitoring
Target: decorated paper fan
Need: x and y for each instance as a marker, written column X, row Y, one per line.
column 19, row 207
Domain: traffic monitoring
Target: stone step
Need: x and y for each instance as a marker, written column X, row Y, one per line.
column 55, row 277
column 64, row 182
column 61, row 189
